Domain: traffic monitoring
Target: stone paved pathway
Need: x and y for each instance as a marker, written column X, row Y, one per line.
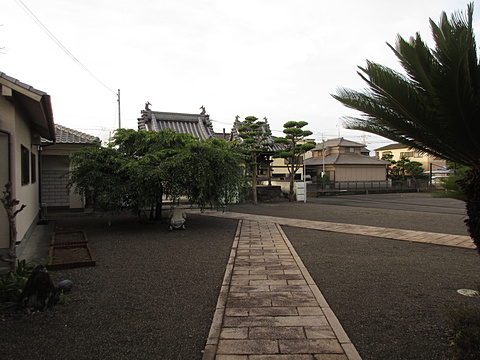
column 269, row 307
column 373, row 231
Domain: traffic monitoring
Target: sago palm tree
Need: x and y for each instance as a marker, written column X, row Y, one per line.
column 434, row 106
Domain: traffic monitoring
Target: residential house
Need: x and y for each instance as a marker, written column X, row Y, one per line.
column 55, row 167
column 25, row 117
column 345, row 161
column 429, row 162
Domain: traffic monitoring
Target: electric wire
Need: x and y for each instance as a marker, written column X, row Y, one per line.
column 59, row 44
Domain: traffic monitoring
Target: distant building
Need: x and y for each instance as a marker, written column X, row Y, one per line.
column 428, row 161
column 198, row 125
column 345, row 160
column 55, row 167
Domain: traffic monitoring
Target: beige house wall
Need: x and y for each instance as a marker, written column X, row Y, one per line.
column 21, row 135
column 360, row 173
column 424, row 159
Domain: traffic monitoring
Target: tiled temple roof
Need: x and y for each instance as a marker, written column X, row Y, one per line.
column 198, row 125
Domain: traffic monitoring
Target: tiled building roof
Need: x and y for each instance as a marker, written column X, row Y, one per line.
column 36, row 104
column 392, row 147
column 198, row 125
column 64, row 135
column 21, row 84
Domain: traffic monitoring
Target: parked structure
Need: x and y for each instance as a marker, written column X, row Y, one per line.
column 25, row 117
column 55, row 167
column 345, row 161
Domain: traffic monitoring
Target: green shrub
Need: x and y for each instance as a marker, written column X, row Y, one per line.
column 464, row 334
column 12, row 284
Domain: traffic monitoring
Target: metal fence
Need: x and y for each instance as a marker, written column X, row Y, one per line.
column 388, row 185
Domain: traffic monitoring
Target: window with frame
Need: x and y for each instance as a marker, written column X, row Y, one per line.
column 25, row 159
column 34, row 168
column 350, row 149
column 407, row 154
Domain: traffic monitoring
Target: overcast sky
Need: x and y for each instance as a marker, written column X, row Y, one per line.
column 279, row 59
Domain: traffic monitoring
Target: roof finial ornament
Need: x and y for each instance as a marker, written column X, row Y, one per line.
column 147, row 106
column 237, row 117
column 203, row 110
column 265, row 118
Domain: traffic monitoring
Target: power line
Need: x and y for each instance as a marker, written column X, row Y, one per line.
column 60, row 45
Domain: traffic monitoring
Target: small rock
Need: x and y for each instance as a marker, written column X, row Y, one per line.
column 64, row 286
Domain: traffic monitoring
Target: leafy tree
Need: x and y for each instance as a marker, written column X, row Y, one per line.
column 434, row 107
column 209, row 173
column 295, row 147
column 138, row 168
column 414, row 169
column 389, row 157
column 255, row 142
column 405, row 166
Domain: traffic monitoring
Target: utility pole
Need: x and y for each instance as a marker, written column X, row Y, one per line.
column 119, row 114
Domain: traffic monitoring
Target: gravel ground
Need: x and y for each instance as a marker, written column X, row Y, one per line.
column 393, row 298
column 151, row 295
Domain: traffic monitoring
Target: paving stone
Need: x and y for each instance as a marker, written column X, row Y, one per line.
column 291, row 288
column 231, row 311
column 247, row 347
column 285, row 276
column 249, row 321
column 309, row 310
column 249, row 302
column 319, row 332
column 277, row 333
column 273, row 311
column 329, row 357
column 280, row 357
column 231, row 357
column 294, row 302
column 234, row 333
column 238, row 295
column 271, row 294
column 315, row 346
column 248, row 288
column 310, row 321
column 268, row 282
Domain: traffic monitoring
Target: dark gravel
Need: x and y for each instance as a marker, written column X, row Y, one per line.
column 393, row 298
column 151, row 295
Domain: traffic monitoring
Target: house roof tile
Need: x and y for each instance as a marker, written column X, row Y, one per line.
column 64, row 135
column 392, row 147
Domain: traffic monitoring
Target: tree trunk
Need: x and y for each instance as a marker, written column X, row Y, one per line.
column 470, row 186
column 254, row 184
column 291, row 195
column 158, row 209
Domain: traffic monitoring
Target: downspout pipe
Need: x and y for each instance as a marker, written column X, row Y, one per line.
column 9, row 172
